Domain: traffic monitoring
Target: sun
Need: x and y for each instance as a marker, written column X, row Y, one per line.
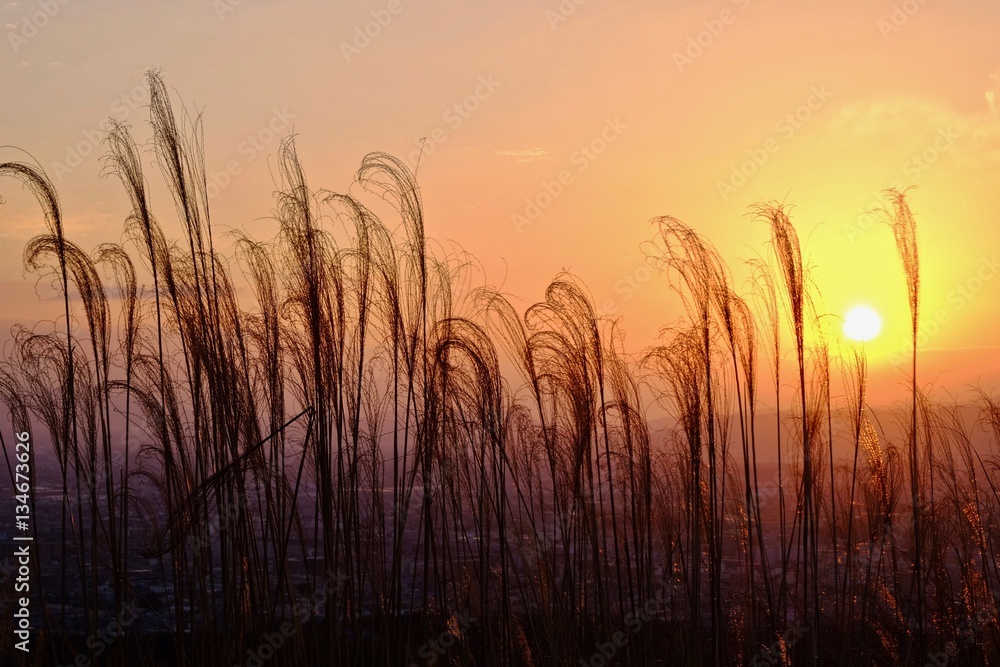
column 861, row 323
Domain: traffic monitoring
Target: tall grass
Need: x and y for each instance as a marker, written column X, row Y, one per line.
column 343, row 431
column 904, row 229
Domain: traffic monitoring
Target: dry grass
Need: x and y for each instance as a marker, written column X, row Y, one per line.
column 374, row 425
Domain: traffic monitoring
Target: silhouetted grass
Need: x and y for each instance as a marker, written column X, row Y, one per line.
column 387, row 463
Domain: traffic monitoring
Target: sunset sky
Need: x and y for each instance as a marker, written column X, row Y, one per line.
column 555, row 132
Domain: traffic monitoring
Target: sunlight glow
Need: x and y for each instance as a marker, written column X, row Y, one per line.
column 861, row 323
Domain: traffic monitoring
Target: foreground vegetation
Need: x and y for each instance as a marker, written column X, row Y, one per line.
column 461, row 483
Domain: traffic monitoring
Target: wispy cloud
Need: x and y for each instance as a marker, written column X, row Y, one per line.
column 899, row 113
column 526, row 154
column 904, row 119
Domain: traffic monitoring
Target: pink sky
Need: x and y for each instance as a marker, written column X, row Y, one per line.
column 623, row 111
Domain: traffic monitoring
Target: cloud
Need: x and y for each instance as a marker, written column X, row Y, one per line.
column 909, row 120
column 525, row 155
column 893, row 114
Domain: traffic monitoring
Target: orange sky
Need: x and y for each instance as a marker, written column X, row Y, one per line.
column 623, row 110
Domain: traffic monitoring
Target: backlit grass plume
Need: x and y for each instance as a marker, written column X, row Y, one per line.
column 335, row 445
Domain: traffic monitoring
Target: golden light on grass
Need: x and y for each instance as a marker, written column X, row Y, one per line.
column 862, row 323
